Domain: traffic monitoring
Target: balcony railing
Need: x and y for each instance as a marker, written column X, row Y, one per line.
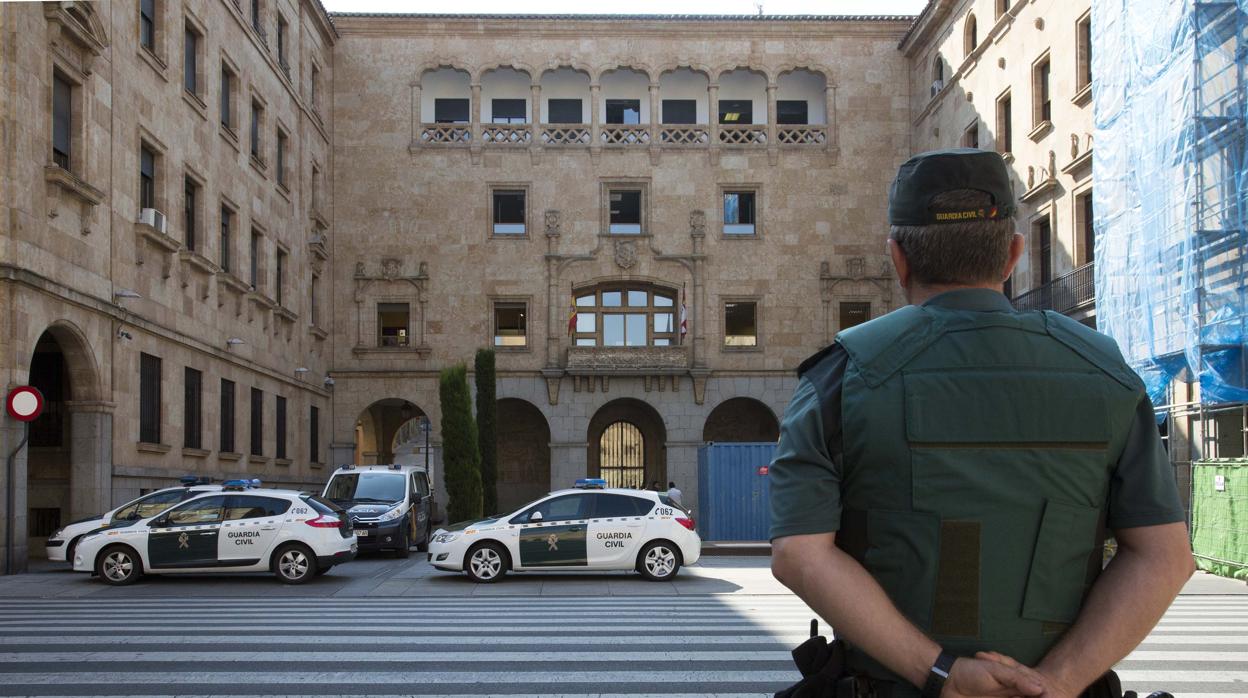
column 566, row 134
column 802, row 135
column 743, row 134
column 627, row 360
column 1071, row 291
column 445, row 134
column 506, row 134
column 625, row 135
column 690, row 136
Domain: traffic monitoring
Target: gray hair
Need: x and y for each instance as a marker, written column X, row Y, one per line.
column 967, row 252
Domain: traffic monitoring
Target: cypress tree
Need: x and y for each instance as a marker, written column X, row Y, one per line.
column 460, row 458
column 487, row 428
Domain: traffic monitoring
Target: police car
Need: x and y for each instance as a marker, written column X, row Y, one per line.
column 390, row 506
column 588, row 527
column 239, row 529
column 60, row 545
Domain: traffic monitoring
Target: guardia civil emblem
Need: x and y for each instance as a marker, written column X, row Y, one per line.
column 184, row 542
column 553, row 542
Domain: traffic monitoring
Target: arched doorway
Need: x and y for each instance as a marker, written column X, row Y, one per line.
column 68, row 456
column 741, row 419
column 628, row 445
column 523, row 438
column 390, row 431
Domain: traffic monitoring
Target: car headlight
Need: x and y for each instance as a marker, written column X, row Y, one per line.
column 392, row 514
column 445, row 537
column 57, row 535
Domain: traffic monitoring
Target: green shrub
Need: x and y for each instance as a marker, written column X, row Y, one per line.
column 487, row 428
column 461, row 460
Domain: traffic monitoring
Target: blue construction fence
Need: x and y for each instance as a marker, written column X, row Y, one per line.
column 733, row 491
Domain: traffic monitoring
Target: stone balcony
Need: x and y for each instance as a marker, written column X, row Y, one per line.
column 627, row 361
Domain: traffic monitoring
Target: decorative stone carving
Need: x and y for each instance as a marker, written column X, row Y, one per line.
column 391, row 268
column 1074, row 145
column 1031, row 176
column 697, row 223
column 625, row 254
column 856, row 268
column 1001, row 62
column 359, row 270
column 627, row 359
column 553, row 222
column 1052, row 165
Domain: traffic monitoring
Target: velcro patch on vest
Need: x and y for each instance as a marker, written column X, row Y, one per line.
column 956, row 608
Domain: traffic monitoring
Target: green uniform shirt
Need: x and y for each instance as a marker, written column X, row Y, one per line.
column 806, row 473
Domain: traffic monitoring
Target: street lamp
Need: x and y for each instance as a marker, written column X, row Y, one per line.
column 424, row 426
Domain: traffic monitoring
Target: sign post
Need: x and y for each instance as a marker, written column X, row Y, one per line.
column 24, row 403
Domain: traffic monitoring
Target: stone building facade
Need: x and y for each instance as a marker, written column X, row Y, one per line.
column 1015, row 76
column 241, row 238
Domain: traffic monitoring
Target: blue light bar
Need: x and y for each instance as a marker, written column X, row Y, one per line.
column 235, row 484
column 591, row 483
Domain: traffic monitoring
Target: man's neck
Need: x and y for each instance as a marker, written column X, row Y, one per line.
column 918, row 294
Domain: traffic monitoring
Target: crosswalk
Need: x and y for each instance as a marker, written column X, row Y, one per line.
column 726, row 645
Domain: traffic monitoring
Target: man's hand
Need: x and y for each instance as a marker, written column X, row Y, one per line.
column 1052, row 687
column 991, row 677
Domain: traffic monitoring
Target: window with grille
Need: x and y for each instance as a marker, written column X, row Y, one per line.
column 622, row 456
column 280, row 431
column 62, row 119
column 227, row 416
column 854, row 314
column 314, row 434
column 192, row 397
column 618, row 316
column 257, row 422
column 149, row 399
column 147, row 178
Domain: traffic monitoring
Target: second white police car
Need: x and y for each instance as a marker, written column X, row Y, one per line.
column 588, row 527
column 239, row 529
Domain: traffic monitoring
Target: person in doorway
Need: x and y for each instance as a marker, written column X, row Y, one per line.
column 945, row 473
column 654, row 486
column 673, row 493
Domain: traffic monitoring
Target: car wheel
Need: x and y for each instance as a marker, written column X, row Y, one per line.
column 486, row 563
column 119, row 565
column 659, row 561
column 294, row 564
column 405, row 543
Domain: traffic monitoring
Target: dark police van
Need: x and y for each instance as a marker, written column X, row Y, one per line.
column 390, row 506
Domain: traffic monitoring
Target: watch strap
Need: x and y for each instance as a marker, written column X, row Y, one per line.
column 938, row 674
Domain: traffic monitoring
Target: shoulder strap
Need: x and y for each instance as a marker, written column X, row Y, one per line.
column 1097, row 349
column 883, row 346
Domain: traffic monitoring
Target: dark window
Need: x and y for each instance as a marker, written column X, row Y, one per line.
column 227, row 97
column 741, row 324
column 854, row 314
column 621, row 450
column 680, row 111
column 614, row 506
column 227, row 238
column 190, row 194
column 147, row 178
column 739, row 212
column 62, row 120
column 44, row 521
column 190, row 62
column 47, row 373
column 1087, row 232
column 510, row 325
column 199, row 511
column 1083, row 35
column 569, row 507
column 257, row 422
column 1005, row 128
column 564, row 111
column 147, row 24
column 1044, row 250
column 507, row 111
column 256, row 111
column 255, row 16
column 280, row 282
column 192, row 399
column 736, row 111
column 281, row 427
column 970, row 137
column 241, row 506
column 314, row 434
column 392, row 324
column 315, row 86
column 623, row 111
column 255, row 260
column 281, row 159
column 508, row 211
column 450, row 111
column 792, row 111
column 149, row 399
column 313, row 283
column 227, row 416
column 625, row 211
column 281, row 41
column 1040, row 93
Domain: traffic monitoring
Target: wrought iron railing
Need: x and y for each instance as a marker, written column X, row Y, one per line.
column 1071, row 291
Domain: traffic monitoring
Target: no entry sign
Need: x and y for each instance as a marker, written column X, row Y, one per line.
column 24, row 403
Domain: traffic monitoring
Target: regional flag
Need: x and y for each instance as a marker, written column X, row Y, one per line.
column 572, row 319
column 684, row 317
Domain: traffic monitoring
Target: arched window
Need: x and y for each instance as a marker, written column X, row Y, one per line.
column 625, row 316
column 970, row 38
column 938, row 75
column 622, row 456
column 1003, row 6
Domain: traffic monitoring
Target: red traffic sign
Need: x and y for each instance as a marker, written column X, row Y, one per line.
column 762, row 469
column 24, row 403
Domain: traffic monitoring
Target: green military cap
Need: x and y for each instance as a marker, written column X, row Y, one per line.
column 925, row 175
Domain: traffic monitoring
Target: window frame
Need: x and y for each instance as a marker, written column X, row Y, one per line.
column 1005, row 123
column 228, row 416
column 380, row 337
column 970, row 135
column 314, row 435
column 1043, row 215
column 624, row 105
column 256, row 127
column 193, row 29
column 1083, row 59
column 72, row 157
column 757, row 301
column 281, row 257
column 721, row 111
column 495, row 188
column 650, row 310
column 780, row 120
column 194, row 213
column 523, row 303
column 1084, row 225
column 192, row 408
column 840, row 311
column 157, row 189
column 151, row 367
column 279, row 428
column 565, row 102
column 524, row 110
column 754, row 188
column 664, row 105
column 152, row 42
column 256, row 272
column 256, row 420
column 227, row 237
column 281, row 158
column 467, row 104
column 606, row 187
column 1042, row 93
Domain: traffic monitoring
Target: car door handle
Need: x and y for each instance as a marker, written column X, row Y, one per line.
column 574, row 529
column 268, row 527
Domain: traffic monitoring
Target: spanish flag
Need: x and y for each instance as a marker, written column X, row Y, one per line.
column 572, row 319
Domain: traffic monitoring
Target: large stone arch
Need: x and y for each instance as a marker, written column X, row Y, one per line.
column 523, row 438
column 653, row 434
column 378, row 425
column 741, row 419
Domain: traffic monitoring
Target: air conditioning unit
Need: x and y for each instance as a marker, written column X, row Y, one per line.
column 152, row 217
column 937, row 86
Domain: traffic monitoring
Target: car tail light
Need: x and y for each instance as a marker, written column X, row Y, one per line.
column 687, row 523
column 324, row 521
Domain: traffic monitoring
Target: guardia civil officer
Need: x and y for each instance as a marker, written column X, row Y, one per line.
column 946, row 472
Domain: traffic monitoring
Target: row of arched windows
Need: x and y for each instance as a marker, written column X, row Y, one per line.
column 970, row 42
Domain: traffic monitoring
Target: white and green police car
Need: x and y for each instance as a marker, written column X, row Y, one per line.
column 60, row 545
column 588, row 527
column 295, row 535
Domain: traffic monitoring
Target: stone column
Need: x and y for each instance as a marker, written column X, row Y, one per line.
column 416, row 122
column 341, row 453
column 699, row 301
column 595, row 140
column 90, row 457
column 682, row 468
column 712, row 117
column 568, row 462
column 829, row 101
column 771, row 115
column 535, row 108
column 474, row 107
column 654, row 113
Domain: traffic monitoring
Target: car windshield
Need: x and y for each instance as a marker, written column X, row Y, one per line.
column 366, row 487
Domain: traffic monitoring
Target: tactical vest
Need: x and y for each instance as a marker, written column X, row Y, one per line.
column 978, row 448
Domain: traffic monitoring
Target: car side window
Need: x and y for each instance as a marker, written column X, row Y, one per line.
column 198, row 511
column 643, row 505
column 569, row 507
column 238, row 507
column 420, row 484
column 616, row 506
column 149, row 506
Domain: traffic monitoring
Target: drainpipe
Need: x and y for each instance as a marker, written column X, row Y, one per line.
column 8, row 499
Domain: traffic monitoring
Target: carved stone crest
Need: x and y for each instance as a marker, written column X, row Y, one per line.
column 856, row 267
column 625, row 254
column 553, row 221
column 697, row 223
column 359, row 270
column 391, row 268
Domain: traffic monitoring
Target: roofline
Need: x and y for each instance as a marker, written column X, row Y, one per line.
column 326, row 19
column 925, row 18
column 626, row 18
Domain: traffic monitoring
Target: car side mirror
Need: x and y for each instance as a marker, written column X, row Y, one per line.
column 535, row 517
column 158, row 522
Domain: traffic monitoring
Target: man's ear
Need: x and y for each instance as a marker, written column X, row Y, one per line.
column 1018, row 243
column 899, row 262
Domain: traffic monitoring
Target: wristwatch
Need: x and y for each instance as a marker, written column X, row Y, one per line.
column 939, row 672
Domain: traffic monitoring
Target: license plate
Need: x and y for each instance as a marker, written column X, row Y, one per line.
column 361, row 533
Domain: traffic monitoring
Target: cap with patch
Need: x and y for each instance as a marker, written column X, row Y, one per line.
column 926, row 175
